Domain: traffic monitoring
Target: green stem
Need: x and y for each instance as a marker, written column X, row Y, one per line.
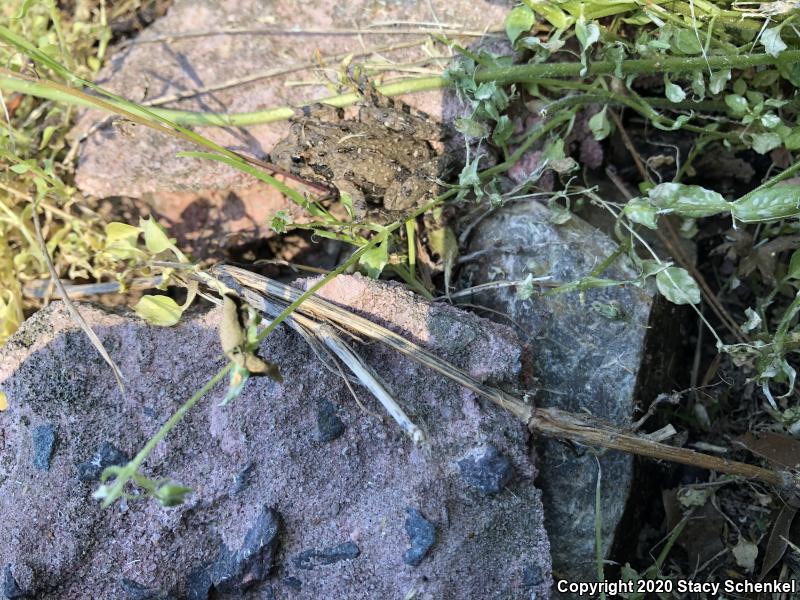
column 132, row 467
column 530, row 73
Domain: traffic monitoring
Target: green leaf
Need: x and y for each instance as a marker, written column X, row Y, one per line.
column 764, row 142
column 771, row 39
column 47, row 135
column 122, row 232
column 777, row 202
column 737, row 104
column 691, row 201
column 519, row 21
column 674, row 92
column 376, row 258
column 158, row 310
column 677, row 286
column 642, row 212
column 525, row 287
column 685, row 41
column 502, row 130
column 282, row 219
column 172, row 494
column 794, row 265
column 23, row 9
column 20, row 168
column 155, row 238
column 699, row 85
column 122, row 240
column 770, row 120
column 599, row 125
column 717, row 81
column 471, row 128
column 792, row 139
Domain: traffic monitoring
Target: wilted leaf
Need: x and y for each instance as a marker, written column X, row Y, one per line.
column 231, row 332
column 158, row 310
column 677, row 286
column 745, row 553
column 690, row 497
column 781, row 451
column 776, row 545
column 771, row 39
column 642, row 212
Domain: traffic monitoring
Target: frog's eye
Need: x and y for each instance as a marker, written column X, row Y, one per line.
column 297, row 159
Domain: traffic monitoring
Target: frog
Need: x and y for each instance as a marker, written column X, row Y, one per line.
column 385, row 158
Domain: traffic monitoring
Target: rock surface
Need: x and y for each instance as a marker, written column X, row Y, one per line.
column 217, row 200
column 584, row 353
column 278, row 511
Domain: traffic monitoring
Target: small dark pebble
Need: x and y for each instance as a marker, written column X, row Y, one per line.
column 293, row 583
column 242, row 479
column 422, row 535
column 310, row 559
column 234, row 571
column 11, row 590
column 106, row 456
column 329, row 425
column 486, row 469
column 137, row 591
column 532, row 576
column 198, row 583
column 44, row 439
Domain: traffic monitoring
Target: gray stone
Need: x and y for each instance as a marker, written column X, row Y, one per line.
column 422, row 535
column 11, row 589
column 486, row 469
column 236, row 570
column 356, row 494
column 43, row 438
column 311, row 559
column 107, row 455
column 137, row 591
column 584, row 352
column 329, row 425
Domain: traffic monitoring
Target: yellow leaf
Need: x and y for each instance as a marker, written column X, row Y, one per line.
column 3, row 401
column 155, row 238
column 158, row 310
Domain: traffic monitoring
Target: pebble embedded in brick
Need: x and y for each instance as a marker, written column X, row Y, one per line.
column 44, row 440
column 329, row 425
column 136, row 591
column 310, row 559
column 11, row 589
column 422, row 535
column 235, row 570
column 486, row 469
column 106, row 456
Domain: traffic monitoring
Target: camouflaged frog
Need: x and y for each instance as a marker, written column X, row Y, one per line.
column 383, row 159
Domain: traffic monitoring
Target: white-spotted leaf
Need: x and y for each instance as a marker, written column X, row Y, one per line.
column 677, row 286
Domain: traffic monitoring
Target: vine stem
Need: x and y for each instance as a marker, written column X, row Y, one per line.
column 530, row 73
